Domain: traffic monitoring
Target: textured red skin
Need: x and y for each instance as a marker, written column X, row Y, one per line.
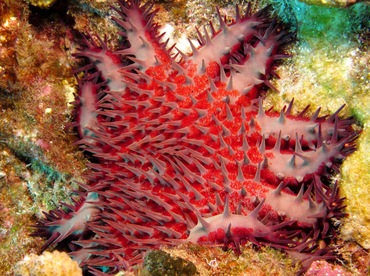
column 174, row 161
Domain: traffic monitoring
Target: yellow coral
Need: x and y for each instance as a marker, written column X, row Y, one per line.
column 331, row 3
column 355, row 187
column 48, row 264
column 44, row 4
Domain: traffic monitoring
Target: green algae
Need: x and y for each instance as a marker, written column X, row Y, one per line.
column 323, row 25
column 46, row 185
column 328, row 64
column 158, row 263
column 15, row 214
column 318, row 24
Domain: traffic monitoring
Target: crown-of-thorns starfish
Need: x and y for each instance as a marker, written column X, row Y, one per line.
column 183, row 151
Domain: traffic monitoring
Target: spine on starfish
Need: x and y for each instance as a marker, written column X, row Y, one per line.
column 86, row 104
column 322, row 138
column 242, row 50
column 146, row 48
column 71, row 223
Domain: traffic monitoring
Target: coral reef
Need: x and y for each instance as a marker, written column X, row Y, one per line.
column 323, row 268
column 49, row 263
column 332, row 3
column 355, row 187
column 159, row 263
column 36, row 85
column 44, row 4
column 252, row 261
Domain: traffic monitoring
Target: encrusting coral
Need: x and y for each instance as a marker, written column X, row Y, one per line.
column 49, row 263
column 183, row 151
